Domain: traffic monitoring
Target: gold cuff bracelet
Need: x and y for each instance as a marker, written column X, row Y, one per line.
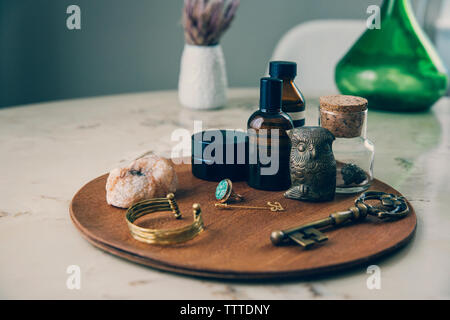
column 163, row 236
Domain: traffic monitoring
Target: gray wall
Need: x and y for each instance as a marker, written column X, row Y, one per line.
column 135, row 45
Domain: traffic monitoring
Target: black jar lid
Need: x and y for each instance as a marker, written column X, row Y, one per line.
column 219, row 154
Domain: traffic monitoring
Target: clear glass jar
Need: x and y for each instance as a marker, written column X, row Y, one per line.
column 346, row 118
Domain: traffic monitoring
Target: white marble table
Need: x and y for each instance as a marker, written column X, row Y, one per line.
column 49, row 150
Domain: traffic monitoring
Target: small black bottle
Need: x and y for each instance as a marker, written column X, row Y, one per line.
column 269, row 142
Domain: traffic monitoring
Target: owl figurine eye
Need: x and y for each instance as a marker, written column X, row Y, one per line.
column 301, row 147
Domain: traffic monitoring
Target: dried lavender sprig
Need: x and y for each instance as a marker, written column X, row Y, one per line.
column 205, row 21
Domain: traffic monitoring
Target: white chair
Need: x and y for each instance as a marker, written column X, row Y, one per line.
column 316, row 47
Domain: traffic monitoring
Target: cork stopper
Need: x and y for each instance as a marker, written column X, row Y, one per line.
column 343, row 103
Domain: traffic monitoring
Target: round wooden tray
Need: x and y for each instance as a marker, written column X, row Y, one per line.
column 235, row 243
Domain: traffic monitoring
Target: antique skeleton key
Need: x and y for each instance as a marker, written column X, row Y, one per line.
column 306, row 235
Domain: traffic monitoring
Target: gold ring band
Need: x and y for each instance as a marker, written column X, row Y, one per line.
column 163, row 236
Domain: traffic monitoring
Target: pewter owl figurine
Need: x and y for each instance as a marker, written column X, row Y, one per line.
column 312, row 165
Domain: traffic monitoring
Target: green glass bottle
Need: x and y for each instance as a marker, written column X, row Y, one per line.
column 396, row 67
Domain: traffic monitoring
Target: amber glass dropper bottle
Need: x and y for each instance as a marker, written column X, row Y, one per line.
column 268, row 137
column 293, row 102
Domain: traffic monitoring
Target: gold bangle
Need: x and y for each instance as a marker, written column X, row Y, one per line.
column 163, row 236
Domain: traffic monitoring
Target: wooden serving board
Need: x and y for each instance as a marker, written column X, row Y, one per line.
column 235, row 243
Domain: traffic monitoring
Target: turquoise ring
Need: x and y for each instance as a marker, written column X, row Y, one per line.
column 224, row 192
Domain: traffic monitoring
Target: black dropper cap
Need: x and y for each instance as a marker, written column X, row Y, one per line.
column 270, row 94
column 283, row 69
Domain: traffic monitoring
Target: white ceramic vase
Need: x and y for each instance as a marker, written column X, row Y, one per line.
column 203, row 79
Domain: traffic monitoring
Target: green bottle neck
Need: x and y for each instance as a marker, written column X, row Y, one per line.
column 395, row 7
